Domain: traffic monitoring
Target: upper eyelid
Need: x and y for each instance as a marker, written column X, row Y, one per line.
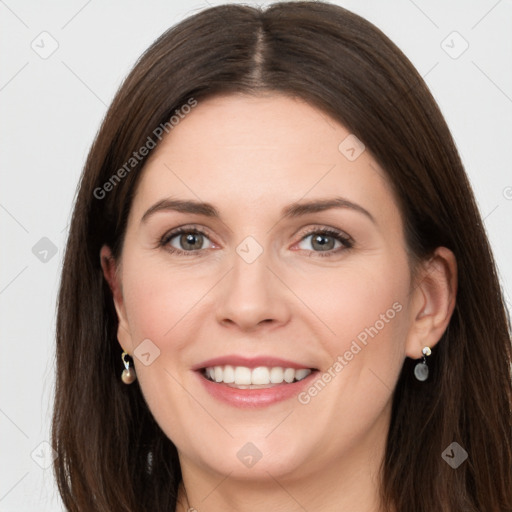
column 186, row 228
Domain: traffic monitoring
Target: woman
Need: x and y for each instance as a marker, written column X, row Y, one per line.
column 277, row 291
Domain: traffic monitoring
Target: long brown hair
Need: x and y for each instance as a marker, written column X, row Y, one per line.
column 112, row 456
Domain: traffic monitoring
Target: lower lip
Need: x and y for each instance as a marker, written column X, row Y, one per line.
column 255, row 397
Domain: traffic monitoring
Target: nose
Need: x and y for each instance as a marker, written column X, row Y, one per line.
column 252, row 295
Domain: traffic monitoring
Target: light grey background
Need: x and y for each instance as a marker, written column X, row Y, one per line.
column 51, row 109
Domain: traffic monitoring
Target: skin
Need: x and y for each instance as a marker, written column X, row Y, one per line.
column 250, row 157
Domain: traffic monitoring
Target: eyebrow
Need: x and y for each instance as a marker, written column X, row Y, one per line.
column 291, row 211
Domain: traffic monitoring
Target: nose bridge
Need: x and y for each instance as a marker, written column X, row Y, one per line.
column 251, row 293
column 250, row 275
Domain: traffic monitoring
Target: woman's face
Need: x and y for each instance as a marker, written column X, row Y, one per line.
column 299, row 255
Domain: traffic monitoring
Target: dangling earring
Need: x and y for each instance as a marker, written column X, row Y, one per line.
column 128, row 376
column 421, row 369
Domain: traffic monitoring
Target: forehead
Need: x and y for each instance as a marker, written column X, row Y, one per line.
column 241, row 151
column 272, row 122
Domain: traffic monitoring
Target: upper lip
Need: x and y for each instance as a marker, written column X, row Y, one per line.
column 250, row 362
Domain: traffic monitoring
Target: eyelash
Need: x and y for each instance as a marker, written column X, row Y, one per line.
column 345, row 240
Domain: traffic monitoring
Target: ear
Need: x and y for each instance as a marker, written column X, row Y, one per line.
column 111, row 272
column 433, row 301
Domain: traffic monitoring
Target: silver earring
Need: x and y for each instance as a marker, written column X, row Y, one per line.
column 421, row 369
column 128, row 376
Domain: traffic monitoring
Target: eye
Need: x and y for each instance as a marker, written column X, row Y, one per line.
column 327, row 241
column 190, row 241
column 185, row 240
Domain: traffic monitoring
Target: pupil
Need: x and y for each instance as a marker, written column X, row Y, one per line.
column 323, row 242
column 189, row 240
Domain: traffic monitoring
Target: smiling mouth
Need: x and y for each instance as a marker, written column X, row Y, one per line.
column 261, row 377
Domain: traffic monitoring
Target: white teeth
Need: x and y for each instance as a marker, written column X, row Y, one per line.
column 276, row 375
column 229, row 374
column 260, row 376
column 242, row 374
column 300, row 374
column 289, row 374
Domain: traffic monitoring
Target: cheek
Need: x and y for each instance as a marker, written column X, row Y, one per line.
column 366, row 310
column 363, row 317
column 160, row 302
column 158, row 297
column 356, row 301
